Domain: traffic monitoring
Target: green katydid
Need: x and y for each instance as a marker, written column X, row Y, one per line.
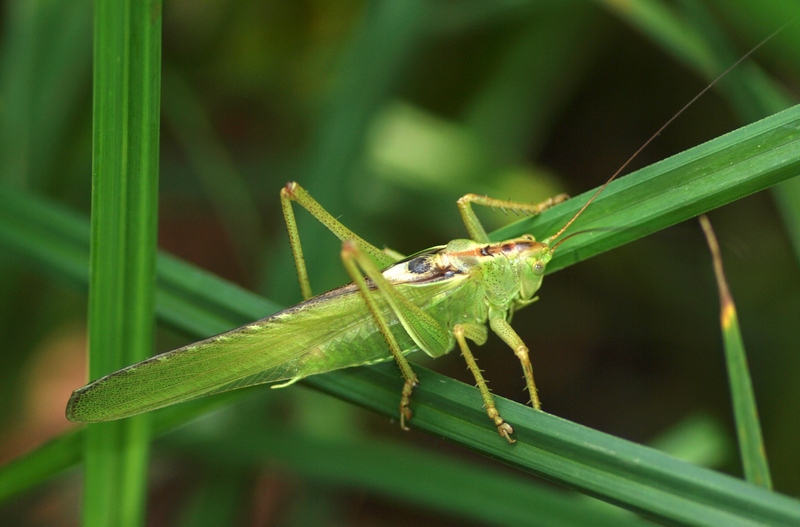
column 432, row 301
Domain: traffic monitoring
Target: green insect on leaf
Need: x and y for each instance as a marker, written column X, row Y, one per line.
column 430, row 302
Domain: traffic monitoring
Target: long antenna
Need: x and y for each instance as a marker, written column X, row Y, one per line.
column 663, row 127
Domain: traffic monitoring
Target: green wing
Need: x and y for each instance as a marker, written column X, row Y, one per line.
column 327, row 332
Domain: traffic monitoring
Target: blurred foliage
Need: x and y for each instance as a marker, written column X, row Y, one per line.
column 387, row 112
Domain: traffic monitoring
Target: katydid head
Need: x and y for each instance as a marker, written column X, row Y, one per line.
column 535, row 256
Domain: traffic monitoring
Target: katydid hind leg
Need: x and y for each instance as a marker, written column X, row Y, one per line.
column 297, row 247
column 477, row 333
column 350, row 258
column 421, row 326
column 393, row 254
column 294, row 192
column 504, row 330
column 427, row 332
column 473, row 224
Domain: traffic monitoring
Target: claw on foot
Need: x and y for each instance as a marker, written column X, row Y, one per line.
column 405, row 402
column 405, row 415
column 503, row 428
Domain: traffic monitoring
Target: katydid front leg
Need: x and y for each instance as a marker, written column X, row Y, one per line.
column 497, row 321
column 504, row 330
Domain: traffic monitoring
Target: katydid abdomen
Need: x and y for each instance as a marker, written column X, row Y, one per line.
column 328, row 332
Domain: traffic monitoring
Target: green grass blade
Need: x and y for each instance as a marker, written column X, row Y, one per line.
column 683, row 186
column 789, row 205
column 748, row 427
column 753, row 95
column 615, row 470
column 43, row 70
column 41, row 464
column 56, row 241
column 573, row 455
column 439, row 482
column 127, row 72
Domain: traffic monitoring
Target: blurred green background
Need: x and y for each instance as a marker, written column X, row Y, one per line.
column 387, row 112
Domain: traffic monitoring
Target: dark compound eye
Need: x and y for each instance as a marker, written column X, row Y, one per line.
column 419, row 265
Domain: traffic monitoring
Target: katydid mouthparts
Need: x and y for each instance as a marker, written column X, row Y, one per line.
column 434, row 301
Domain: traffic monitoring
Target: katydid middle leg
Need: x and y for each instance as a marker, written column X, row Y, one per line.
column 473, row 224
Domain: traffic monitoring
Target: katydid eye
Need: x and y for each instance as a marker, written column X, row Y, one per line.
column 538, row 267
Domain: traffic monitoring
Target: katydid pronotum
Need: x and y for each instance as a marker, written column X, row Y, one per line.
column 432, row 301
